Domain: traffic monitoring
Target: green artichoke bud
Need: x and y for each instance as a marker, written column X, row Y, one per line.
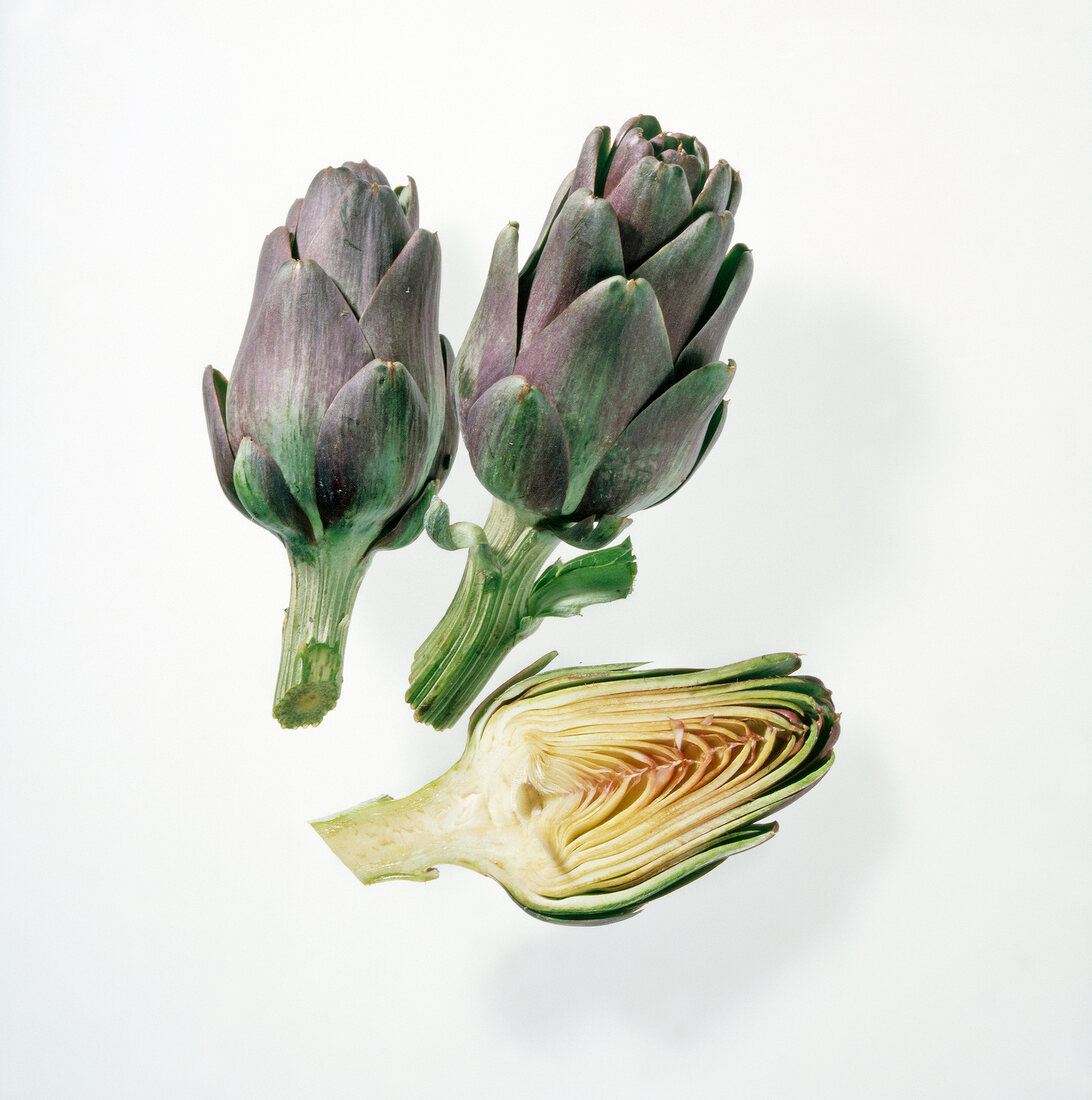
column 589, row 385
column 587, row 792
column 336, row 427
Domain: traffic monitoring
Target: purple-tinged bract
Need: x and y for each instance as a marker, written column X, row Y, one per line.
column 589, row 384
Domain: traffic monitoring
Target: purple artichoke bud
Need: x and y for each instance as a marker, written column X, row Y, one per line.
column 589, row 383
column 336, row 427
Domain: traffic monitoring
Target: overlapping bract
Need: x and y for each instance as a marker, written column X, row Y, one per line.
column 337, row 415
column 588, row 384
column 611, row 786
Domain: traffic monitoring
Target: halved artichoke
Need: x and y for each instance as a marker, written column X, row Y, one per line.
column 586, row 792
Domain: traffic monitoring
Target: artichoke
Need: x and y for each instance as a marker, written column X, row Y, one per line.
column 586, row 792
column 336, row 427
column 588, row 385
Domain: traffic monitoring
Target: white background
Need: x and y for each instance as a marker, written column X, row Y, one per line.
column 901, row 493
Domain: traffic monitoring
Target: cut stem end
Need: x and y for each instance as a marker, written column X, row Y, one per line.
column 316, row 623
column 308, row 702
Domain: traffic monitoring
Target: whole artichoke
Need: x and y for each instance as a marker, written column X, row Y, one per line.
column 336, row 426
column 588, row 386
column 586, row 792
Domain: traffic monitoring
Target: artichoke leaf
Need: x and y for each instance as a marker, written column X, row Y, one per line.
column 360, row 239
column 599, row 362
column 411, row 204
column 403, row 529
column 601, row 576
column 583, row 249
column 459, row 536
column 729, row 289
column 683, row 272
column 659, row 450
column 266, row 495
column 590, row 533
column 372, row 447
column 716, row 193
column 303, row 347
column 517, row 445
column 214, row 387
column 401, row 322
column 488, row 351
column 591, row 165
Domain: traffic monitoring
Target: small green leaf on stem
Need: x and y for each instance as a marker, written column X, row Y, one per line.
column 565, row 589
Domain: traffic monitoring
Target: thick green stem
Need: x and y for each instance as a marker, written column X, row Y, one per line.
column 325, row 582
column 487, row 617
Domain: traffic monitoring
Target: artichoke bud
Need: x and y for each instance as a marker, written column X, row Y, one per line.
column 336, row 426
column 586, row 792
column 589, row 384
column 651, row 207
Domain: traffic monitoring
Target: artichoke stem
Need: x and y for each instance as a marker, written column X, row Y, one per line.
column 405, row 838
column 325, row 582
column 487, row 618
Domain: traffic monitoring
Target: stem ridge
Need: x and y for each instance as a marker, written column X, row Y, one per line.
column 489, row 614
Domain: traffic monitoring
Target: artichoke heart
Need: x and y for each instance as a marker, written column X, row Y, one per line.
column 586, row 792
